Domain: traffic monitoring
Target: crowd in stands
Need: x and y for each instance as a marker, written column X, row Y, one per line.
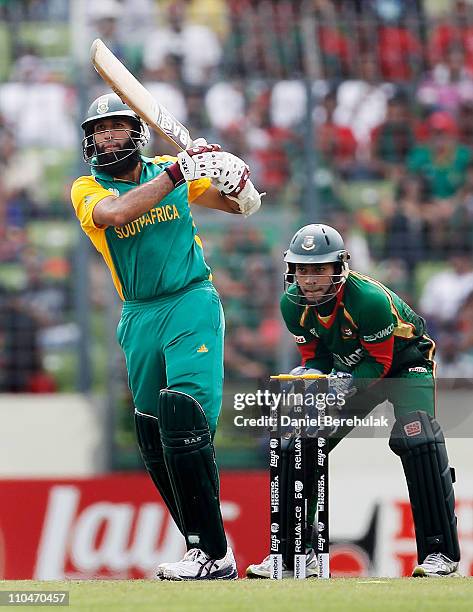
column 357, row 113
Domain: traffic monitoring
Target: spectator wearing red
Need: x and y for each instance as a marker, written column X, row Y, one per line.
column 334, row 49
column 332, row 36
column 392, row 141
column 270, row 145
column 400, row 53
column 454, row 29
column 336, row 142
column 267, row 146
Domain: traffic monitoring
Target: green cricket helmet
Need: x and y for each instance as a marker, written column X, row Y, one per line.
column 316, row 244
column 110, row 105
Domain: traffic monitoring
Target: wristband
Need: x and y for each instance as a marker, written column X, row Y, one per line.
column 175, row 174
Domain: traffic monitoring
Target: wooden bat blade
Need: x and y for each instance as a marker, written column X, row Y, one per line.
column 137, row 97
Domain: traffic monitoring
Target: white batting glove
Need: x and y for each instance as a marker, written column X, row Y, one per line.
column 249, row 199
column 234, row 175
column 200, row 162
column 195, row 163
column 234, row 183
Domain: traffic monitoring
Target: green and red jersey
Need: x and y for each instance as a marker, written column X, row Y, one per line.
column 367, row 330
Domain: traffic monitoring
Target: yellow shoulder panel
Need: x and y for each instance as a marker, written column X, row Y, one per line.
column 197, row 188
column 86, row 192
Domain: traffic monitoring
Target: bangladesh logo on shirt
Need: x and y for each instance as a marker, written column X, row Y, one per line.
column 347, row 332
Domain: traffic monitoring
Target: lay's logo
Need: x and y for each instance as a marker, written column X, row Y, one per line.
column 413, row 429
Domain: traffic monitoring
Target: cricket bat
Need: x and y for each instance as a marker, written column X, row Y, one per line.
column 137, row 97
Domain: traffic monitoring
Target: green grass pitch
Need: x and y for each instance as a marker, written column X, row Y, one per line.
column 341, row 595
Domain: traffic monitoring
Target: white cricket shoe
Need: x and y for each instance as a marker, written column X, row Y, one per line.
column 263, row 569
column 436, row 565
column 197, row 565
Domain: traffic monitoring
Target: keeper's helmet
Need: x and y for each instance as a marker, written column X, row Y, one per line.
column 316, row 244
column 110, row 105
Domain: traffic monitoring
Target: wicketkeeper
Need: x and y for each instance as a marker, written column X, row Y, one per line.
column 375, row 348
column 136, row 211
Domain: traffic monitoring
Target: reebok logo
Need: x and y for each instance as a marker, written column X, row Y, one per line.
column 202, row 349
column 413, row 429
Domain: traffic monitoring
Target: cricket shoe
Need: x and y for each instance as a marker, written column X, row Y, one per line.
column 263, row 569
column 197, row 565
column 436, row 565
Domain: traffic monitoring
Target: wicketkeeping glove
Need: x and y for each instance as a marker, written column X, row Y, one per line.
column 341, row 382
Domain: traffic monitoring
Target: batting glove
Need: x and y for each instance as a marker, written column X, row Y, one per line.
column 249, row 199
column 198, row 162
column 234, row 183
column 233, row 176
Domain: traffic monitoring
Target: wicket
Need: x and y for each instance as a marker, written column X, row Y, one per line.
column 297, row 504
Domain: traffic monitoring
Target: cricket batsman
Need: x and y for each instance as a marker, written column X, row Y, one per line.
column 136, row 211
column 374, row 347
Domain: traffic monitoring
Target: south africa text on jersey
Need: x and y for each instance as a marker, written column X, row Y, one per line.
column 155, row 215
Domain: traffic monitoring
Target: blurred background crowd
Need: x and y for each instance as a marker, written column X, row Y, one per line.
column 358, row 113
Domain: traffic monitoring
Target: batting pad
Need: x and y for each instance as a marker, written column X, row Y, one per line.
column 190, row 461
column 418, row 439
column 149, row 442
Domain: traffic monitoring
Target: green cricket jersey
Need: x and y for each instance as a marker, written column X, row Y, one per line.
column 368, row 330
column 158, row 254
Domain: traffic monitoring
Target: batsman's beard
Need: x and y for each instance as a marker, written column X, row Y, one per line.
column 118, row 162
